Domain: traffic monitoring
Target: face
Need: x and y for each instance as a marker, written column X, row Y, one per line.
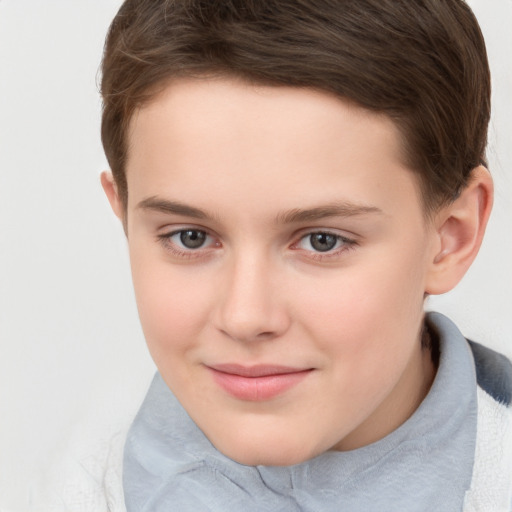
column 280, row 255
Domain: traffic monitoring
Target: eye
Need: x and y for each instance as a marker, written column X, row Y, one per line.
column 191, row 238
column 324, row 242
column 187, row 242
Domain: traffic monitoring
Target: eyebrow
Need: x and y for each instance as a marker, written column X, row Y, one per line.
column 173, row 207
column 342, row 209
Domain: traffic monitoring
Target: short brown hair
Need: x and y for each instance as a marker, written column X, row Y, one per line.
column 423, row 63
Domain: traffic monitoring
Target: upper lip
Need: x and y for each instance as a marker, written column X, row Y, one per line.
column 261, row 370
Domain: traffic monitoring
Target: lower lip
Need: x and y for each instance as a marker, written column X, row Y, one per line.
column 258, row 389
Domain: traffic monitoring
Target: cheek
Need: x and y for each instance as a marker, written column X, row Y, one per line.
column 173, row 305
column 369, row 312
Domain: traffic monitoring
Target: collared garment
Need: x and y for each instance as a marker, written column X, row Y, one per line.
column 453, row 454
column 426, row 464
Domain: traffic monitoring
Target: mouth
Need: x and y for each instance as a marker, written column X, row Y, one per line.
column 257, row 383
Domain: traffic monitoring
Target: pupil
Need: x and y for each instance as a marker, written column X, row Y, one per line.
column 323, row 241
column 192, row 239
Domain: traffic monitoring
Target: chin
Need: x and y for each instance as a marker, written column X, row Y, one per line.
column 265, row 454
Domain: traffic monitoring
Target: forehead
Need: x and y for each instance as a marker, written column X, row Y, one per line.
column 232, row 141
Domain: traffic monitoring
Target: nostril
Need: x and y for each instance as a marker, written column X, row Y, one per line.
column 244, row 337
column 263, row 335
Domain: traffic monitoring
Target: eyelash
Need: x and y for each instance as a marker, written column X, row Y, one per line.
column 347, row 244
column 165, row 240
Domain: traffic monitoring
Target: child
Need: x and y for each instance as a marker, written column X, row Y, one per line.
column 294, row 178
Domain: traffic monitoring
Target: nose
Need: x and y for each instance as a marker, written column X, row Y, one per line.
column 251, row 305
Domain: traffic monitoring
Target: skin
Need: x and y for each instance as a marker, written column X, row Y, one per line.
column 258, row 169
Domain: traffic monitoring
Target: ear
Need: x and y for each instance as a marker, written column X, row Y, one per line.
column 459, row 230
column 110, row 188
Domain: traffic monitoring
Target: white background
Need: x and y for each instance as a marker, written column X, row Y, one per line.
column 70, row 342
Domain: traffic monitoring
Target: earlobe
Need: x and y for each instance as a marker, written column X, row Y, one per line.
column 110, row 188
column 459, row 230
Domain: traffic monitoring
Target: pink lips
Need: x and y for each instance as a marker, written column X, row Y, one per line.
column 257, row 383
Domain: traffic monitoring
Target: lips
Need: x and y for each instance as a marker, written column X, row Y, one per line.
column 257, row 383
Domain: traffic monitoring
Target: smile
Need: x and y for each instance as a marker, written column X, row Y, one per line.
column 257, row 383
